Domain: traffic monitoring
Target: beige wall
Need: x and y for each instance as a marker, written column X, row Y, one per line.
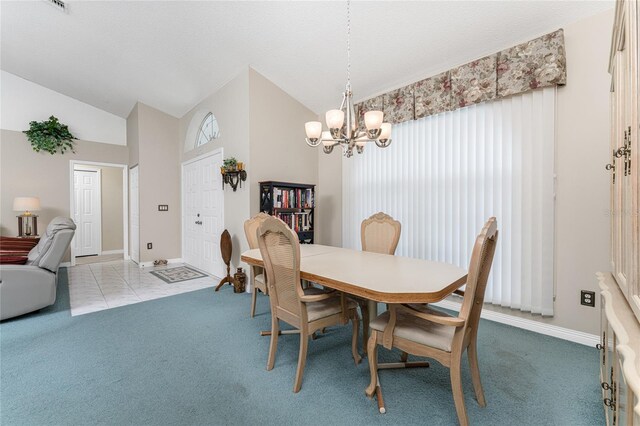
column 278, row 150
column 263, row 127
column 230, row 105
column 159, row 182
column 112, row 219
column 582, row 150
column 133, row 137
column 24, row 172
column 329, row 223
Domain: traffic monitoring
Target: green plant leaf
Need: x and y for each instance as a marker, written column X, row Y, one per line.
column 50, row 136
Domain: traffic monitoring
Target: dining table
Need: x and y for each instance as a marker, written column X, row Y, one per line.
column 378, row 278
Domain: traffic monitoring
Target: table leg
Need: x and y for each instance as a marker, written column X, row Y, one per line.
column 373, row 311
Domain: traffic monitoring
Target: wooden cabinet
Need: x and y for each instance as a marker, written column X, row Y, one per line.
column 623, row 165
column 620, row 295
column 619, row 356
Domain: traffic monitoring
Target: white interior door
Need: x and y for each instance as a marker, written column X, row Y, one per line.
column 87, row 212
column 134, row 215
column 203, row 214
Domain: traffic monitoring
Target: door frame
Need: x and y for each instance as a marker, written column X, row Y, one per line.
column 182, row 194
column 130, row 233
column 125, row 201
column 98, row 172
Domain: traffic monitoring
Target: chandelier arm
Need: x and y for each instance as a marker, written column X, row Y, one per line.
column 328, row 149
column 383, row 143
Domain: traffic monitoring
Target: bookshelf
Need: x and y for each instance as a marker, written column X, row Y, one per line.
column 294, row 203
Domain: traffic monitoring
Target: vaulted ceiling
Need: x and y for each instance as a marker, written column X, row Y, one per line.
column 171, row 55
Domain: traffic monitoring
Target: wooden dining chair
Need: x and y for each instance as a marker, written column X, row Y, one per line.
column 307, row 310
column 379, row 233
column 423, row 331
column 258, row 279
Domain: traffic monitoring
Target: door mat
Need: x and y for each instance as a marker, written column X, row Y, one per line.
column 176, row 275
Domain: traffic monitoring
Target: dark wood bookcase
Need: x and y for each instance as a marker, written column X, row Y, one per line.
column 294, row 203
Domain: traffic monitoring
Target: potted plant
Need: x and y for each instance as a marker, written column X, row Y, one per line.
column 230, row 164
column 50, row 135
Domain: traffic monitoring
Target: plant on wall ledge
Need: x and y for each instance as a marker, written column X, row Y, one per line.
column 50, row 135
column 230, row 164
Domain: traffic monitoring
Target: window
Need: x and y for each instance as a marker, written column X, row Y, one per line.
column 208, row 130
column 443, row 176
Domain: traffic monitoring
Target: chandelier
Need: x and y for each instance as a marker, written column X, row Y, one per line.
column 343, row 132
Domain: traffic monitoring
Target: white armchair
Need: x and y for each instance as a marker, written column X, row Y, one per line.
column 27, row 288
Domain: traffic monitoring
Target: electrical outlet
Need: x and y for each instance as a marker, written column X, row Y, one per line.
column 149, row 246
column 163, row 207
column 588, row 298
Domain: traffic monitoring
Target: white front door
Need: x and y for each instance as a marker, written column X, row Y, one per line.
column 87, row 212
column 134, row 215
column 203, row 214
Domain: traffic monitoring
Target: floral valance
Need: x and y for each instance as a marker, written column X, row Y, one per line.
column 537, row 63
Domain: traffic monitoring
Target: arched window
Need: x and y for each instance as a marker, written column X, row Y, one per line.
column 208, row 130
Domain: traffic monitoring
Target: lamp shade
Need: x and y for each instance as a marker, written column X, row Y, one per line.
column 26, row 204
column 385, row 131
column 326, row 139
column 334, row 118
column 313, row 129
column 373, row 119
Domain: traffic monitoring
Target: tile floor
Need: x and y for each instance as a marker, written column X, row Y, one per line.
column 100, row 286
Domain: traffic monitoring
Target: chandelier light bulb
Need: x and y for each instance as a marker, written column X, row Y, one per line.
column 373, row 119
column 313, row 129
column 385, row 132
column 335, row 118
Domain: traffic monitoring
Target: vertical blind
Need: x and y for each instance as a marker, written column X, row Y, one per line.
column 445, row 175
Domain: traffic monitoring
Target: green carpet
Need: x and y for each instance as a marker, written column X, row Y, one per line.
column 197, row 359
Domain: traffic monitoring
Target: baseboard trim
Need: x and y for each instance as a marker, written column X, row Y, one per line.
column 149, row 264
column 121, row 251
column 527, row 324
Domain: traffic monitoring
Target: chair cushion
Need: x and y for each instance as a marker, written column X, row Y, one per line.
column 418, row 330
column 327, row 307
column 259, row 281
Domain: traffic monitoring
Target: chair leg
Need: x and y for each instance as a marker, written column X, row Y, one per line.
column 302, row 359
column 354, row 337
column 365, row 324
column 373, row 363
column 404, row 356
column 273, row 346
column 254, row 295
column 472, row 353
column 458, row 394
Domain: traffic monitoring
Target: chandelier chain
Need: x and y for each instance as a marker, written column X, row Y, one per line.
column 349, row 43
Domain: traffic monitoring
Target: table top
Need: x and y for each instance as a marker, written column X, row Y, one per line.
column 379, row 277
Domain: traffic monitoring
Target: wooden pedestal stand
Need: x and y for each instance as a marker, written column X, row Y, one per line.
column 225, row 250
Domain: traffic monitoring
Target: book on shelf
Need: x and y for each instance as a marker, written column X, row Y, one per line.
column 293, row 198
column 298, row 221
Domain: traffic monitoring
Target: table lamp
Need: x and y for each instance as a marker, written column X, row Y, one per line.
column 27, row 221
